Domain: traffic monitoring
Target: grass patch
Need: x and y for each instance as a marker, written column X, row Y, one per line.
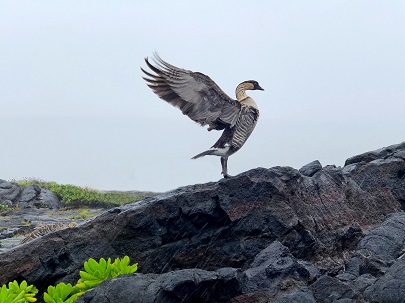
column 25, row 223
column 76, row 196
column 4, row 208
column 83, row 214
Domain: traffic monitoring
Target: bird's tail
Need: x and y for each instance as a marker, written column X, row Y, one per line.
column 205, row 153
column 214, row 151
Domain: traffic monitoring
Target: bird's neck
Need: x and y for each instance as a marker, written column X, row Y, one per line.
column 241, row 92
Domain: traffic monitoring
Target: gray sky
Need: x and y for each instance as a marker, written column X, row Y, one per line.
column 74, row 109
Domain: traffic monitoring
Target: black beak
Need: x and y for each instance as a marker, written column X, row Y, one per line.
column 258, row 87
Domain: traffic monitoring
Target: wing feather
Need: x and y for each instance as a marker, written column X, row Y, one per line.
column 194, row 93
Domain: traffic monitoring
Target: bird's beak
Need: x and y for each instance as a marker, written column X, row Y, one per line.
column 259, row 87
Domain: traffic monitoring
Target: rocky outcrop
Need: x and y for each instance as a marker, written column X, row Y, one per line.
column 8, row 192
column 26, row 203
column 266, row 235
column 187, row 285
column 13, row 195
column 393, row 151
column 277, row 276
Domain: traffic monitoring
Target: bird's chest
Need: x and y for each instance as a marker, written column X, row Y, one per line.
column 248, row 102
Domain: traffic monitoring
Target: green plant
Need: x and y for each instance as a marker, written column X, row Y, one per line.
column 4, row 208
column 84, row 214
column 96, row 272
column 7, row 296
column 26, row 222
column 75, row 195
column 122, row 267
column 18, row 293
column 61, row 293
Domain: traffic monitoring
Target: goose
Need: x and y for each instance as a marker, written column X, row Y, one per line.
column 204, row 102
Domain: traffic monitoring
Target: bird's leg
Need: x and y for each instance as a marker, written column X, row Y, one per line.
column 224, row 163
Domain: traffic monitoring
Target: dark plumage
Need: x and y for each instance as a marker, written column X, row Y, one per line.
column 203, row 101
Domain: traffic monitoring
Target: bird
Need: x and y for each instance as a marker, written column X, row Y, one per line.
column 204, row 102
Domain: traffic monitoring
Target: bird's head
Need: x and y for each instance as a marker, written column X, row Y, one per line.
column 252, row 85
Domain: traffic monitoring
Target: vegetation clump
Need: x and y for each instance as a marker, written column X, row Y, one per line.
column 61, row 293
column 73, row 195
column 18, row 293
column 94, row 273
column 83, row 214
column 4, row 209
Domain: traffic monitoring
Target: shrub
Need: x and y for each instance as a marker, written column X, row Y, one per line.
column 4, row 208
column 84, row 214
column 94, row 273
column 72, row 195
column 61, row 293
column 18, row 293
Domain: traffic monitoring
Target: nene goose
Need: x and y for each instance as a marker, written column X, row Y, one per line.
column 204, row 102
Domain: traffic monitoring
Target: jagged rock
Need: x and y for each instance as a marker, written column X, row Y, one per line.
column 364, row 281
column 328, row 290
column 249, row 222
column 34, row 196
column 12, row 194
column 311, row 168
column 189, row 285
column 8, row 191
column 377, row 256
column 350, row 237
column 378, row 250
column 397, row 150
column 274, row 266
column 30, row 193
column 49, row 199
column 297, row 296
column 390, row 288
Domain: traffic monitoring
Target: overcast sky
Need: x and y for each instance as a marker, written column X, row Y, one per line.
column 74, row 108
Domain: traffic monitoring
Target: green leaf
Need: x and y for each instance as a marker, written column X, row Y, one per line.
column 61, row 293
column 16, row 293
column 4, row 294
column 13, row 286
column 90, row 265
column 19, row 298
column 48, row 298
column 91, row 284
column 86, row 276
column 121, row 267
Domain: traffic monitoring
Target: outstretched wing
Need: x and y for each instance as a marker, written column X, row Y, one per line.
column 194, row 93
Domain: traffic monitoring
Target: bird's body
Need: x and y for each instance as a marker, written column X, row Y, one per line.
column 203, row 101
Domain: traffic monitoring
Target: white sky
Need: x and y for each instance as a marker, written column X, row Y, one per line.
column 74, row 109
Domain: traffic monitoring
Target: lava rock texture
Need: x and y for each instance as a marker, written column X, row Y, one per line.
column 326, row 234
column 13, row 195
